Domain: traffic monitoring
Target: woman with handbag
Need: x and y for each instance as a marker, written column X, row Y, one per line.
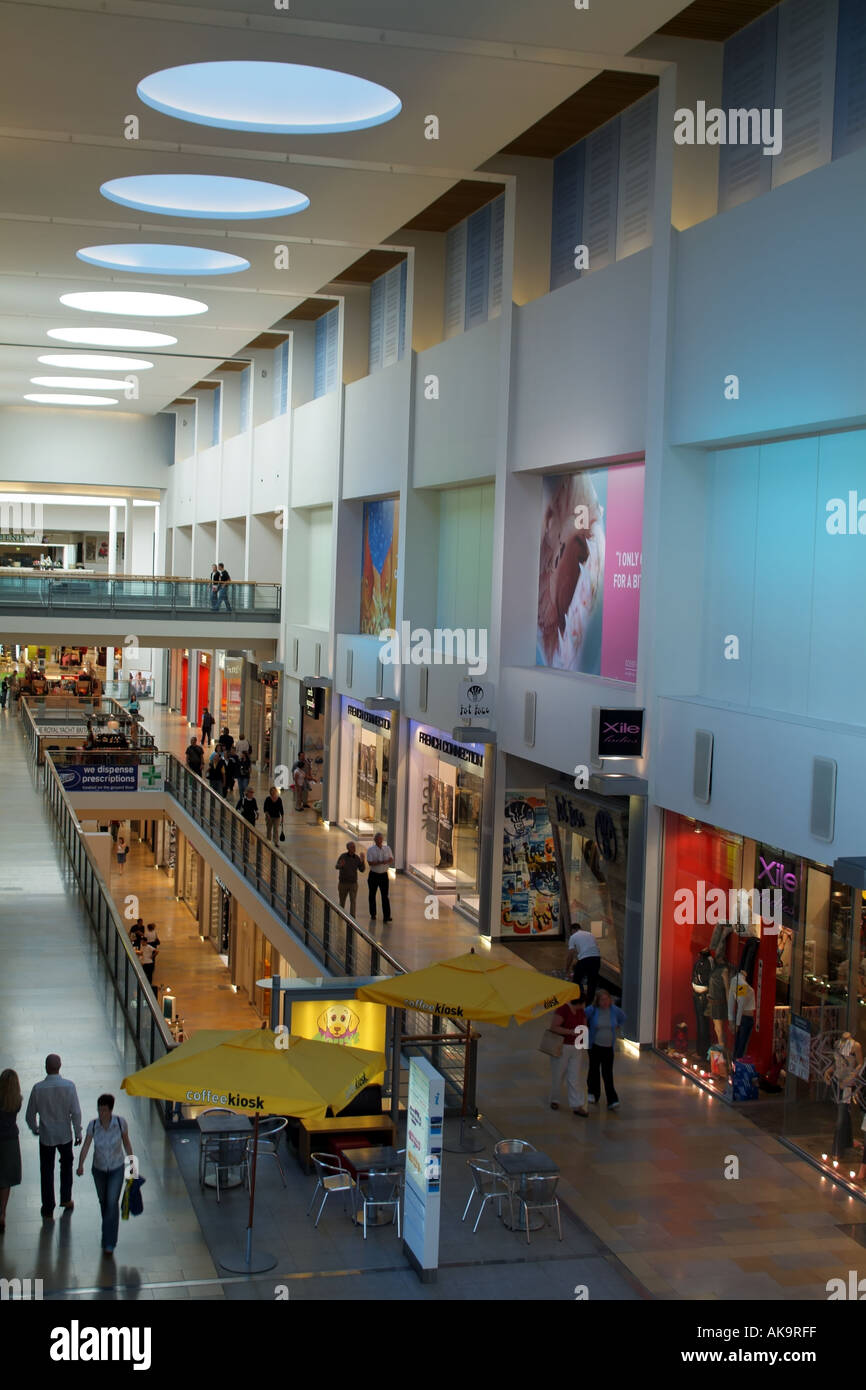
column 568, row 1025
column 109, row 1136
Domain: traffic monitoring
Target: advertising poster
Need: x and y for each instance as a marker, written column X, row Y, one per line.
column 430, row 808
column 446, row 826
column 379, row 566
column 99, row 777
column 799, row 1040
column 343, row 1022
column 589, row 572
column 425, row 1110
column 530, row 881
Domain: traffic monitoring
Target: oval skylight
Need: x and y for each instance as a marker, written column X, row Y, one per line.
column 204, row 195
column 112, row 337
column 131, row 304
column 149, row 258
column 39, row 399
column 94, row 362
column 82, row 383
column 281, row 98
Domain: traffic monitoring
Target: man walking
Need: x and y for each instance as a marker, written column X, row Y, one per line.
column 194, row 757
column 379, row 857
column 53, row 1113
column 207, row 722
column 214, row 587
column 224, row 581
column 584, row 958
column 348, row 866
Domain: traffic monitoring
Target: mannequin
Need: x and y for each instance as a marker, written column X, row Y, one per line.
column 717, row 995
column 700, row 982
column 847, row 1062
column 741, row 1012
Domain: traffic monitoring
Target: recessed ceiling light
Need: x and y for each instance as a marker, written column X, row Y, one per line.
column 71, row 400
column 112, row 337
column 283, row 98
column 132, row 304
column 159, row 259
column 94, row 362
column 85, row 383
column 204, row 195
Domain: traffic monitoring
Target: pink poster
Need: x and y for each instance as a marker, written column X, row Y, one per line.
column 622, row 572
column 589, row 571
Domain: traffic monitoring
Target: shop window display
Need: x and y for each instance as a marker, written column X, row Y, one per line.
column 446, row 783
column 777, row 987
column 365, row 772
column 530, row 879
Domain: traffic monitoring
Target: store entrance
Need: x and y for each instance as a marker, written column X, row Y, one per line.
column 446, row 783
column 365, row 774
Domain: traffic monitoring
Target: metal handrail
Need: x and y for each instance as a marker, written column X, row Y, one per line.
column 64, row 592
column 149, row 1030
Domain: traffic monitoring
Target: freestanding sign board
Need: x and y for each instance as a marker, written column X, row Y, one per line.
column 426, row 1109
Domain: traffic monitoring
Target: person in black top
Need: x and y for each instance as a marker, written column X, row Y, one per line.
column 207, row 722
column 214, row 587
column 195, row 757
column 216, row 772
column 249, row 807
column 233, row 764
column 245, row 772
column 273, row 809
column 225, row 740
column 224, row 581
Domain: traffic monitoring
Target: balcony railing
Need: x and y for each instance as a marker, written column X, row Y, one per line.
column 129, row 594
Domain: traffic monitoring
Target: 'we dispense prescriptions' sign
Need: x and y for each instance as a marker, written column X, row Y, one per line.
column 426, row 1109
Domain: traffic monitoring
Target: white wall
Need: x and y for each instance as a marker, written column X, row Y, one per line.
column 376, row 433
column 316, row 451
column 578, row 386
column 533, row 211
column 235, row 470
column 771, row 276
column 79, row 446
column 270, row 464
column 456, row 435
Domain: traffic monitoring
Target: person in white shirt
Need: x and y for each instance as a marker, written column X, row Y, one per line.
column 243, row 745
column 299, row 778
column 54, row 1101
column 584, row 958
column 379, row 858
column 109, row 1135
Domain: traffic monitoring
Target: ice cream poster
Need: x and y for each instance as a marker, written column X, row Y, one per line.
column 379, row 566
column 589, row 572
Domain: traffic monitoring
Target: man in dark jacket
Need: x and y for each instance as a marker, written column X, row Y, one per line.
column 194, row 757
column 206, row 726
column 249, row 807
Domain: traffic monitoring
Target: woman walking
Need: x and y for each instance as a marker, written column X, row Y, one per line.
column 122, row 851
column 245, row 772
column 273, row 809
column 573, row 1061
column 604, row 1020
column 10, row 1149
column 109, row 1135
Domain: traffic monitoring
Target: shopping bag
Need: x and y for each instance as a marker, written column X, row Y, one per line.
column 551, row 1043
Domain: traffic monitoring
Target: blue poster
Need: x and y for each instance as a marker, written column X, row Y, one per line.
column 99, row 777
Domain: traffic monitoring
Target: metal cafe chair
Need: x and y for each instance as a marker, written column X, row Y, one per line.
column 536, row 1192
column 203, row 1138
column 513, row 1146
column 490, row 1184
column 270, row 1133
column 223, row 1155
column 332, row 1177
column 382, row 1189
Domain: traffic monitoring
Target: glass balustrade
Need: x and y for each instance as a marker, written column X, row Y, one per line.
column 22, row 590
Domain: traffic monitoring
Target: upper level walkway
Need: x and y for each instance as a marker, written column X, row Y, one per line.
column 60, row 606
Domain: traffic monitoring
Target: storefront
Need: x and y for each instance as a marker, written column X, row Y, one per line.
column 365, row 770
column 314, row 714
column 231, row 684
column 763, row 957
column 443, row 833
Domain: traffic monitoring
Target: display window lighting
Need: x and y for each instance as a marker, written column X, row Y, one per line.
column 272, row 97
column 209, row 196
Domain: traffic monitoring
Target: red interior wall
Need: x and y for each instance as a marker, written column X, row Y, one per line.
column 714, row 856
column 203, row 687
column 184, row 684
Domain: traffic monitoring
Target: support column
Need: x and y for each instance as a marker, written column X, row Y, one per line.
column 112, row 540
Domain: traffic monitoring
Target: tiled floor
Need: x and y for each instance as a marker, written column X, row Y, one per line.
column 649, row 1210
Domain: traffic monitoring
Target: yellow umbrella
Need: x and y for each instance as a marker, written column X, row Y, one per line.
column 254, row 1072
column 476, row 987
column 473, row 987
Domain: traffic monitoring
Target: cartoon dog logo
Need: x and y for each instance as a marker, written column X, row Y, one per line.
column 338, row 1024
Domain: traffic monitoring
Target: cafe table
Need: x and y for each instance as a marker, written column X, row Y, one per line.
column 217, row 1124
column 517, row 1166
column 380, row 1158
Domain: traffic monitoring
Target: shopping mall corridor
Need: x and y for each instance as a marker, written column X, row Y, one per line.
column 648, row 1209
column 55, row 995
